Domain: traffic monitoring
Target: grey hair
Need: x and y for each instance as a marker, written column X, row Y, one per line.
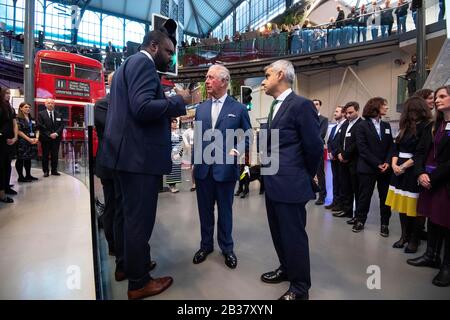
column 286, row 66
column 222, row 71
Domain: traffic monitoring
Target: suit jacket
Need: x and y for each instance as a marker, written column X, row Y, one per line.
column 441, row 175
column 323, row 123
column 373, row 151
column 137, row 130
column 100, row 111
column 333, row 141
column 233, row 115
column 46, row 127
column 350, row 152
column 300, row 151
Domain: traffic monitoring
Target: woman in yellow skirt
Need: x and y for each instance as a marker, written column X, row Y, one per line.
column 403, row 188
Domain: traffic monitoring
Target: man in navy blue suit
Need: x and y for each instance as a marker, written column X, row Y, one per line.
column 216, row 172
column 137, row 146
column 295, row 121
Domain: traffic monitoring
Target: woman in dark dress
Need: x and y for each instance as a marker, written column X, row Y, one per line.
column 6, row 135
column 403, row 189
column 28, row 140
column 432, row 168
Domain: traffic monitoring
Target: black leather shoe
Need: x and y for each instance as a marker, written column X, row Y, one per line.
column 351, row 221
column 11, row 191
column 244, row 194
column 46, row 174
column 32, row 178
column 337, row 209
column 23, row 179
column 56, row 173
column 358, row 226
column 330, row 206
column 426, row 260
column 320, row 202
column 442, row 279
column 230, row 260
column 7, row 200
column 276, row 276
column 289, row 295
column 238, row 193
column 200, row 256
column 384, row 231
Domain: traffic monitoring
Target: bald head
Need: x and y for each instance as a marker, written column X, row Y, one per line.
column 50, row 104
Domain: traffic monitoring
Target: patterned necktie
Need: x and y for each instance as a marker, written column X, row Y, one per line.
column 270, row 117
column 215, row 112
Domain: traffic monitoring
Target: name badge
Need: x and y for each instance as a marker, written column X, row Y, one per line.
column 33, row 122
column 447, row 127
column 349, row 134
column 58, row 119
column 32, row 134
column 387, row 131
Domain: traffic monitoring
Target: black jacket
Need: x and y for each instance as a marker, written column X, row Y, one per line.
column 441, row 175
column 46, row 127
column 373, row 151
column 100, row 110
column 323, row 123
column 350, row 152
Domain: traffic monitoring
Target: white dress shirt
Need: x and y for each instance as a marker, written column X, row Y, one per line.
column 280, row 100
column 216, row 107
column 377, row 124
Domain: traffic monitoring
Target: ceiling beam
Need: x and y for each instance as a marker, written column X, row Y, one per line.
column 213, row 9
column 196, row 15
column 234, row 6
column 149, row 11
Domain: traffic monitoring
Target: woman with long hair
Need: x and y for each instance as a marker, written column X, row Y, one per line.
column 432, row 167
column 427, row 95
column 403, row 189
column 28, row 141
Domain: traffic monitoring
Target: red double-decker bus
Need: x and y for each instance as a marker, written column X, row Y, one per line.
column 72, row 81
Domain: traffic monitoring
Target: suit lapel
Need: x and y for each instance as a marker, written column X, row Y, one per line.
column 374, row 130
column 208, row 119
column 281, row 110
column 444, row 142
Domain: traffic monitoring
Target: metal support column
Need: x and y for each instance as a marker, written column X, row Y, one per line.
column 29, row 53
column 421, row 46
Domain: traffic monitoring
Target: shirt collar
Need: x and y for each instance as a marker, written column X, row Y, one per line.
column 148, row 55
column 353, row 121
column 221, row 99
column 375, row 121
column 284, row 95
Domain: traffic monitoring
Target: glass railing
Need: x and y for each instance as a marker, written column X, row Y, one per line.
column 345, row 33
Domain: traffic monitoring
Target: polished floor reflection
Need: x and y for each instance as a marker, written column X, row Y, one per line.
column 45, row 240
column 340, row 259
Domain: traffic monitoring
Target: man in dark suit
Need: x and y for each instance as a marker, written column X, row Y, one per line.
column 110, row 48
column 333, row 147
column 323, row 123
column 348, row 157
column 51, row 125
column 295, row 121
column 375, row 146
column 216, row 178
column 137, row 146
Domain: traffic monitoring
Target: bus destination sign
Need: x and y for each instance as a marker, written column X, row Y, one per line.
column 72, row 88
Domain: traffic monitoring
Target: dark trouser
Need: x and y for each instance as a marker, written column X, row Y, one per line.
column 109, row 213
column 209, row 192
column 337, row 192
column 244, row 185
column 11, row 151
column 50, row 148
column 321, row 180
column 287, row 222
column 20, row 164
column 4, row 160
column 118, row 226
column 350, row 187
column 139, row 200
column 366, row 187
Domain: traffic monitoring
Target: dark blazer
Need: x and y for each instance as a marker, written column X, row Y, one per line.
column 373, row 151
column 333, row 141
column 441, row 175
column 46, row 127
column 300, row 151
column 350, row 152
column 323, row 123
column 233, row 115
column 137, row 130
column 100, row 111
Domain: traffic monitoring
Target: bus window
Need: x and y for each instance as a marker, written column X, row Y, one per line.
column 55, row 67
column 87, row 73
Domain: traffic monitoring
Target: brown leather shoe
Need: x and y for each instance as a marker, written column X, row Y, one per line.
column 153, row 287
